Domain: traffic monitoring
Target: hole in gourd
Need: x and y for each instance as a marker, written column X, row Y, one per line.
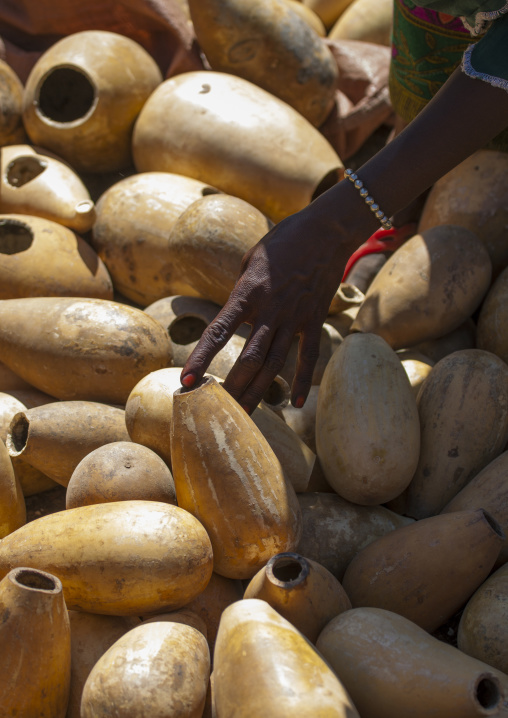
column 287, row 569
column 19, row 432
column 276, row 393
column 487, row 693
column 209, row 190
column 24, row 169
column 329, row 180
column 14, row 237
column 34, row 579
column 185, row 330
column 65, row 95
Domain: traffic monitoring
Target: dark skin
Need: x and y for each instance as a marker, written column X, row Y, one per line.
column 288, row 279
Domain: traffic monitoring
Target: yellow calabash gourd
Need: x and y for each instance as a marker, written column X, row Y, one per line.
column 482, row 631
column 229, row 478
column 427, row 288
column 130, row 234
column 239, row 138
column 83, row 95
column 471, row 195
column 55, row 437
column 263, row 666
column 328, row 10
column 301, row 590
column 335, row 530
column 12, row 501
column 488, row 489
column 426, row 571
column 40, row 258
column 91, row 636
column 123, row 558
column 40, row 185
column 11, row 107
column 120, row 471
column 364, row 399
column 491, row 333
column 80, row 348
column 393, row 669
column 365, row 20
column 303, row 421
column 463, row 409
column 267, row 43
column 417, row 371
column 35, row 637
column 209, row 239
column 173, row 680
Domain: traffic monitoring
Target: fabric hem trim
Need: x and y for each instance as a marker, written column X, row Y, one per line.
column 468, row 69
column 483, row 20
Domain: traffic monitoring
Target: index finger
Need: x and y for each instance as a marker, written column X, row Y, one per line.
column 214, row 338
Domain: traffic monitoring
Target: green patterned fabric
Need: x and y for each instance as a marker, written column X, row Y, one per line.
column 430, row 41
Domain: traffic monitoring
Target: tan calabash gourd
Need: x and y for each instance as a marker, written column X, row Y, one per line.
column 252, row 40
column 120, row 471
column 12, row 501
column 227, row 476
column 364, row 398
column 301, row 590
column 39, row 185
column 417, row 372
column 393, row 669
column 264, row 666
column 296, row 459
column 83, row 95
column 36, row 645
column 365, row 20
column 40, row 258
column 55, row 437
column 482, row 631
column 491, row 333
column 81, row 349
column 210, row 604
column 335, row 530
column 134, row 218
column 31, row 480
column 464, row 426
column 308, row 15
column 342, row 322
column 91, row 636
column 140, row 557
column 11, row 107
column 347, row 296
column 464, row 337
column 173, row 682
column 471, row 195
column 210, row 238
column 328, row 10
column 487, row 490
column 329, row 340
column 428, row 570
column 277, row 161
column 303, row 421
column 183, row 616
column 427, row 288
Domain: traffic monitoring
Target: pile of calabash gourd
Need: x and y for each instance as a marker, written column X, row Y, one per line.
column 306, row 556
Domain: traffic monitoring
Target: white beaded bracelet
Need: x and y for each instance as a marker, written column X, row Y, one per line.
column 364, row 192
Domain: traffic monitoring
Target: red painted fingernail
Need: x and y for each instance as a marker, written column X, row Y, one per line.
column 300, row 401
column 188, row 380
column 246, row 408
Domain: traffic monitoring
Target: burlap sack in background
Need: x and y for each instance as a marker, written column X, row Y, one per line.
column 363, row 100
column 29, row 27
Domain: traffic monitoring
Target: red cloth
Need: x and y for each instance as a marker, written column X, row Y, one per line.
column 29, row 27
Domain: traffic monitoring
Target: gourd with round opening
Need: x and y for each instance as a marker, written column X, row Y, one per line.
column 186, row 329
column 35, row 579
column 288, row 568
column 24, row 169
column 18, row 433
column 65, row 95
column 15, row 236
column 487, row 693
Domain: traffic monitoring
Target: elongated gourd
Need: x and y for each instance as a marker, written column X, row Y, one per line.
column 121, row 558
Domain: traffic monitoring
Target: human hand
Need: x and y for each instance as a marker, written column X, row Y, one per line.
column 286, row 283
